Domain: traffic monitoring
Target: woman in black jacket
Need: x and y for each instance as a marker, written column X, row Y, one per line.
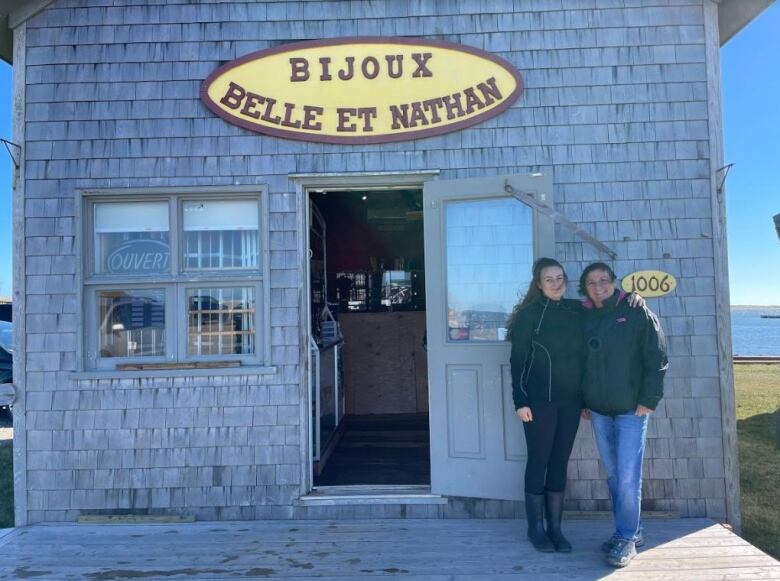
column 547, row 356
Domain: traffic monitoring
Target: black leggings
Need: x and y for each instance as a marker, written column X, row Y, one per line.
column 550, row 438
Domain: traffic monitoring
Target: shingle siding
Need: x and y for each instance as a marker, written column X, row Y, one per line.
column 615, row 109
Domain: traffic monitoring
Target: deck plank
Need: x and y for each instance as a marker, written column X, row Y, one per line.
column 434, row 550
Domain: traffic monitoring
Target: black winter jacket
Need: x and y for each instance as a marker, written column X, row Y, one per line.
column 626, row 357
column 547, row 352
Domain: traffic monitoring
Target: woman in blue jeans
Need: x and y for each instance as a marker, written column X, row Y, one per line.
column 623, row 383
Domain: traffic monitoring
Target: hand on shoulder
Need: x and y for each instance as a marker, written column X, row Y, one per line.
column 636, row 301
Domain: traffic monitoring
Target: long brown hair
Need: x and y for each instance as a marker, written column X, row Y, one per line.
column 534, row 291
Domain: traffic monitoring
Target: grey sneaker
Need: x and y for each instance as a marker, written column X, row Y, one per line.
column 607, row 546
column 622, row 553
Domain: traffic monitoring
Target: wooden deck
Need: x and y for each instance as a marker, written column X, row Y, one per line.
column 436, row 550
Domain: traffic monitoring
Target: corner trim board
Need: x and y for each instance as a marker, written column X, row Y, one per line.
column 721, row 269
column 20, row 290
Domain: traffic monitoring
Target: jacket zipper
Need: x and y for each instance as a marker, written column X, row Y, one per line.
column 549, row 359
column 549, row 372
column 524, row 377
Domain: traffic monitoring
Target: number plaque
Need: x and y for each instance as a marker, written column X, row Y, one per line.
column 649, row 283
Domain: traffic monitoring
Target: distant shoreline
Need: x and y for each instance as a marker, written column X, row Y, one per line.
column 755, row 330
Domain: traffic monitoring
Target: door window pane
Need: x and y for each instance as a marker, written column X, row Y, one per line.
column 489, row 258
column 221, row 321
column 220, row 234
column 131, row 238
column 132, row 323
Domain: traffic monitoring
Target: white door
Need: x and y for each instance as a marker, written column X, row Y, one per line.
column 480, row 243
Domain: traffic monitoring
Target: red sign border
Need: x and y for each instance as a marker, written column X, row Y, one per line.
column 363, row 139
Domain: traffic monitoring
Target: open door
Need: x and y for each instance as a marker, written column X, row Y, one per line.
column 480, row 243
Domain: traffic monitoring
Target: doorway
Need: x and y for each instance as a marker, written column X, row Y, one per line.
column 368, row 338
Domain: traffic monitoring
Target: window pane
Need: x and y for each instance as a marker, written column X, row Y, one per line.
column 220, row 234
column 221, row 321
column 489, row 258
column 132, row 323
column 131, row 238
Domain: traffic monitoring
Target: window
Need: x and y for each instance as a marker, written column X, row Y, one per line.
column 219, row 235
column 221, row 321
column 490, row 252
column 132, row 323
column 128, row 232
column 173, row 278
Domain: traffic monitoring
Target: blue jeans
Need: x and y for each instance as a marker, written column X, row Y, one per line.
column 621, row 442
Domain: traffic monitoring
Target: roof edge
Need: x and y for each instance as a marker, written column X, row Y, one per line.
column 23, row 11
column 734, row 15
column 12, row 14
column 6, row 41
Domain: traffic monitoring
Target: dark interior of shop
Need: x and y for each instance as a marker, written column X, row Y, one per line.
column 367, row 259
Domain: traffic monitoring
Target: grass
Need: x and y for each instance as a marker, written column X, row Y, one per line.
column 758, row 396
column 6, row 487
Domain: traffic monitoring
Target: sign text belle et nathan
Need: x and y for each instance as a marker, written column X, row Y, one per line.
column 362, row 90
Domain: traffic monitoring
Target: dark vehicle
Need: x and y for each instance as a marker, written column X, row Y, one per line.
column 6, row 311
column 6, row 360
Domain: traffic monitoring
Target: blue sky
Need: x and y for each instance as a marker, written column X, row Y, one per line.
column 751, row 112
column 751, row 115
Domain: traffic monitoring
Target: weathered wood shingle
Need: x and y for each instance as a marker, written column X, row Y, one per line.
column 615, row 109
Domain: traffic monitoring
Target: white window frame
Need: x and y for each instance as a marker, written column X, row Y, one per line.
column 176, row 282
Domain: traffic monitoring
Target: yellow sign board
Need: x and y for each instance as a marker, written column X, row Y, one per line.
column 362, row 90
column 649, row 283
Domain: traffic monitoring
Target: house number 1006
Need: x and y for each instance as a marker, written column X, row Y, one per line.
column 649, row 283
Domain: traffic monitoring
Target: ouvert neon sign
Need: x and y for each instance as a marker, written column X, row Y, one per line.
column 362, row 90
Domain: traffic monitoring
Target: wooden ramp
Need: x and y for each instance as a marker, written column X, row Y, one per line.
column 436, row 550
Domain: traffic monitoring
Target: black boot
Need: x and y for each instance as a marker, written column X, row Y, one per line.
column 554, row 514
column 534, row 509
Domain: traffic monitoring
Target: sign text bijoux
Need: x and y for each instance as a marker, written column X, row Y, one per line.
column 362, row 90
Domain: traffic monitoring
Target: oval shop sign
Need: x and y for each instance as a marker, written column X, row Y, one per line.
column 649, row 283
column 362, row 90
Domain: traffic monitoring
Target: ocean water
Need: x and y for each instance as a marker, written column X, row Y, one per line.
column 753, row 335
